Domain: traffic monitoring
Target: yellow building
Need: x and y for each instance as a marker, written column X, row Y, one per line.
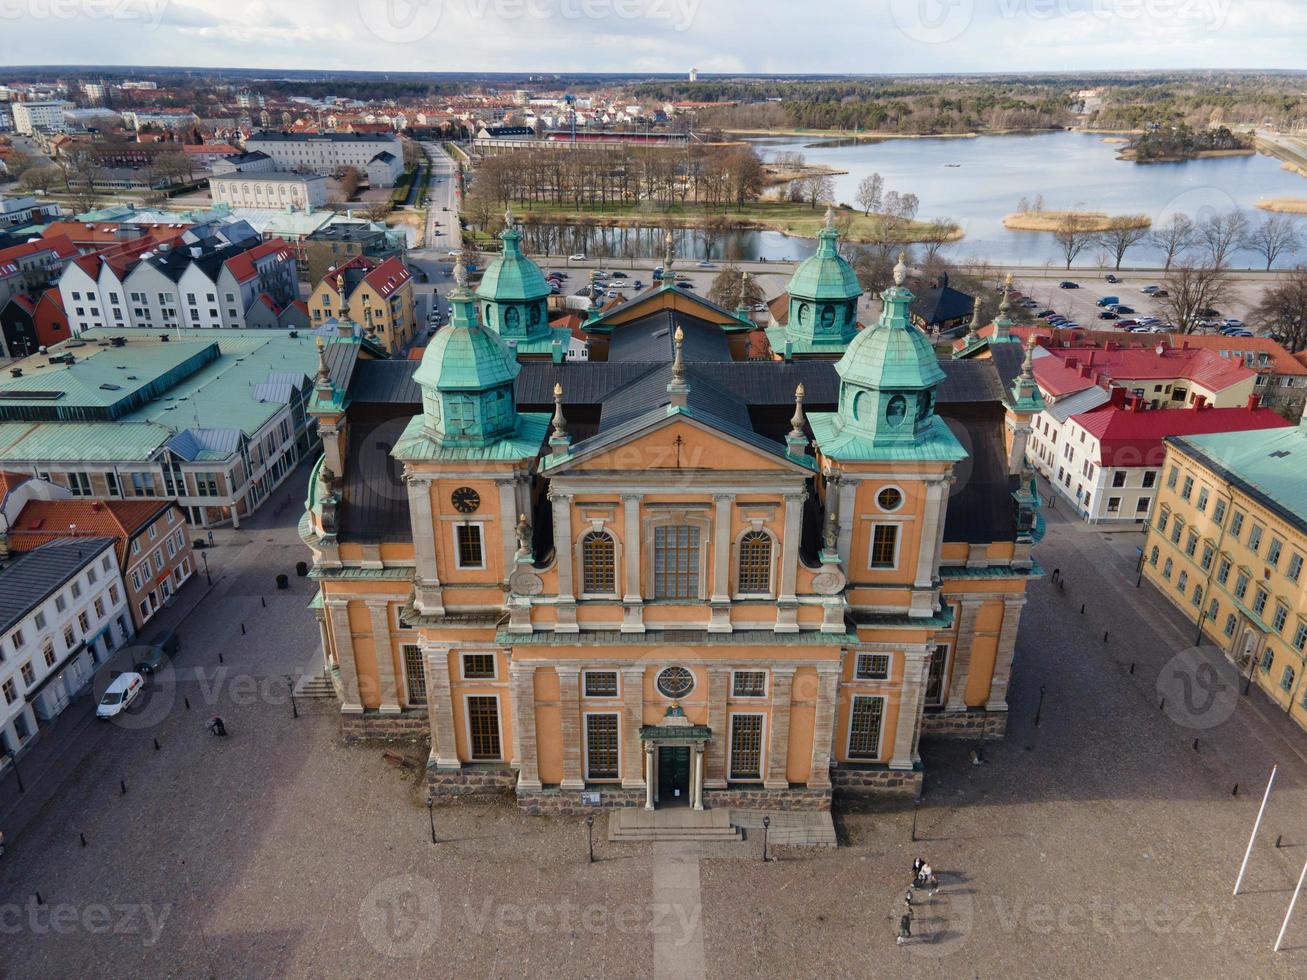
column 668, row 575
column 1227, row 546
column 378, row 294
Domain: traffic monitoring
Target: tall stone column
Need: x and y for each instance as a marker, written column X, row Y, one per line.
column 696, row 777
column 632, row 600
column 569, row 710
column 823, row 725
column 508, row 523
column 786, row 601
column 385, row 656
column 916, row 663
column 440, row 706
column 932, row 518
column 957, row 691
column 324, row 637
column 343, row 640
column 720, row 601
column 650, row 776
column 632, row 719
column 778, row 743
column 428, row 596
column 719, row 682
column 1007, row 644
column 563, row 556
column 848, row 499
column 521, row 678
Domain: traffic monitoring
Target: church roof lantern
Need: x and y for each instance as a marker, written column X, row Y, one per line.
column 511, row 277
column 825, row 275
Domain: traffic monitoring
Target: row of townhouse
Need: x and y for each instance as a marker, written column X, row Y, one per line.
column 33, row 265
column 170, row 286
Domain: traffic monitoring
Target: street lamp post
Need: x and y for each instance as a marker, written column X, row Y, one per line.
column 590, row 835
column 13, row 761
column 431, row 816
column 766, row 823
column 207, row 577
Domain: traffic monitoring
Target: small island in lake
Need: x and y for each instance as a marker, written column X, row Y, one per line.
column 1284, row 205
column 1180, row 142
column 1080, row 220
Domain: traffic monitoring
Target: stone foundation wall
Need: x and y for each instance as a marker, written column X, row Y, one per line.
column 964, row 724
column 799, row 798
column 409, row 726
column 471, row 781
column 568, row 802
column 879, row 780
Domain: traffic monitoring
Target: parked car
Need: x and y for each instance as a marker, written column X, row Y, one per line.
column 1028, row 304
column 1209, row 312
column 1111, row 278
column 1126, row 324
column 1068, row 284
column 1141, row 329
column 1242, row 333
column 706, row 265
column 1069, row 325
column 637, row 284
column 1160, row 294
column 578, row 257
column 1109, row 301
column 1107, row 315
column 1233, row 322
column 161, row 646
column 1150, row 289
column 118, row 696
column 1120, row 308
column 618, row 274
column 1045, row 314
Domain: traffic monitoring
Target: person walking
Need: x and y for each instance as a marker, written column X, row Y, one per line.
column 905, row 927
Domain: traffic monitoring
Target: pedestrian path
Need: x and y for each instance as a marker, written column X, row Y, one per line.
column 678, row 912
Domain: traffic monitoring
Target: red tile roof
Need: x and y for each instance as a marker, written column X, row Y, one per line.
column 10, row 481
column 101, row 233
column 1071, row 369
column 242, row 266
column 1133, row 437
column 41, row 521
column 388, row 276
column 61, row 246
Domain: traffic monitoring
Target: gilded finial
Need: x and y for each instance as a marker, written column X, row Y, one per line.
column 560, row 423
column 323, row 375
column 796, row 423
column 509, row 220
column 901, row 269
column 460, row 272
column 678, row 363
column 830, row 217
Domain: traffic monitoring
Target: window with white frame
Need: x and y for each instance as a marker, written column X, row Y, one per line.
column 884, row 546
column 872, row 667
column 866, row 715
column 746, row 747
column 468, row 551
column 749, row 684
column 598, row 563
column 755, row 563
column 483, row 726
column 602, row 754
column 599, row 683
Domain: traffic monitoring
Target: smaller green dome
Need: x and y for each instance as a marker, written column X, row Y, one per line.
column 825, row 275
column 512, row 277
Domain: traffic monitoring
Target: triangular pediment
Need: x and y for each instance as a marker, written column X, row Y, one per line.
column 666, row 297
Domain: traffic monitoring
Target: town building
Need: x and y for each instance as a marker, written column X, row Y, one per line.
column 941, row 309
column 1227, row 546
column 32, row 116
column 29, row 323
column 333, row 244
column 62, row 612
column 34, row 265
column 378, row 155
column 376, row 295
column 244, row 163
column 151, row 542
column 215, row 422
column 668, row 574
column 269, row 190
column 19, row 212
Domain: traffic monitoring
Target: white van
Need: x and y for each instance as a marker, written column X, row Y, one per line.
column 124, row 689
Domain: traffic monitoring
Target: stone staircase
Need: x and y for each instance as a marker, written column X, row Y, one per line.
column 677, row 823
column 789, row 828
column 320, row 685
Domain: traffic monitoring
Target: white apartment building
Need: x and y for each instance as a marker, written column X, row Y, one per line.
column 379, row 155
column 63, row 610
column 269, row 190
column 31, row 116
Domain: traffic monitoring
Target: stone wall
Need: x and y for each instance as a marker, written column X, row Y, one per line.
column 568, row 802
column 875, row 780
column 408, row 726
column 740, row 798
column 964, row 724
column 471, row 781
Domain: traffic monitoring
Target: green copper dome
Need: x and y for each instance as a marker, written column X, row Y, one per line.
column 512, row 277
column 825, row 275
column 466, row 377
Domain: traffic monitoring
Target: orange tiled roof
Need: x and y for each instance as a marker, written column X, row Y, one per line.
column 41, row 521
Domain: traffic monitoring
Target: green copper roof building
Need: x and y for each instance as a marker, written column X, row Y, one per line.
column 513, row 294
column 823, row 311
column 887, row 392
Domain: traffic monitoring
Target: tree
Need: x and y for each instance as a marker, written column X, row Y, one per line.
column 1272, row 238
column 40, row 178
column 1282, row 310
column 1191, row 289
column 350, row 181
column 1023, row 205
column 870, row 190
column 1174, row 238
column 746, row 174
column 873, row 269
column 1073, row 235
column 173, row 167
column 1222, row 234
column 936, row 235
column 817, row 188
column 731, row 288
column 1123, row 234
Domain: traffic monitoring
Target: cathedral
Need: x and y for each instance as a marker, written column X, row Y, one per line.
column 677, row 573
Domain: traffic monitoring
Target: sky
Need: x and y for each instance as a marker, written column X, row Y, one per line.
column 727, row 36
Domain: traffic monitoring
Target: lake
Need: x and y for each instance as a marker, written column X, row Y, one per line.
column 976, row 183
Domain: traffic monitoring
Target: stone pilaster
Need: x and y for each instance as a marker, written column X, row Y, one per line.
column 632, row 719
column 719, row 683
column 823, row 725
column 957, row 691
column 787, row 607
column 1007, row 644
column 916, row 661
column 508, row 524
column 343, row 640
column 632, row 600
column 385, row 656
column 565, row 559
column 440, row 706
column 569, row 711
column 720, row 602
column 521, row 677
column 428, row 596
column 778, row 742
column 324, row 637
column 932, row 518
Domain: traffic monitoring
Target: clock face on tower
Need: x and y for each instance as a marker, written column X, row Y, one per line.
column 465, row 500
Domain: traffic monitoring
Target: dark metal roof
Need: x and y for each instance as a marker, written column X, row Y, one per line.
column 651, row 338
column 374, row 499
column 385, row 383
column 1007, row 360
column 941, row 304
column 37, row 575
column 980, row 505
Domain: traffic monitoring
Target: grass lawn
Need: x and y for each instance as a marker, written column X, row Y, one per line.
column 784, row 216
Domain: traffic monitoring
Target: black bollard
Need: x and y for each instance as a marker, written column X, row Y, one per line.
column 1104, row 636
column 1278, row 838
column 220, row 656
column 263, row 602
column 1132, row 666
column 122, row 784
column 156, row 745
column 1161, row 706
column 39, row 899
column 83, row 837
column 1195, row 745
column 242, row 629
column 1235, row 791
column 1082, row 609
column 188, row 703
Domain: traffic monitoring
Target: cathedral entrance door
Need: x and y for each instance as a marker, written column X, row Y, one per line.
column 674, row 775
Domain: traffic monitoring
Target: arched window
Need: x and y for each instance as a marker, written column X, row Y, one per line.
column 755, row 562
column 598, row 563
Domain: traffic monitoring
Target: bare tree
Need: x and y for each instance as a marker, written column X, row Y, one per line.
column 378, row 210
column 1192, row 289
column 350, row 181
column 40, row 178
column 1221, row 234
column 731, row 288
column 937, row 234
column 1123, row 234
column 1282, row 310
column 1174, row 238
column 870, row 190
column 1272, row 238
column 872, row 267
column 1073, row 235
column 817, row 188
